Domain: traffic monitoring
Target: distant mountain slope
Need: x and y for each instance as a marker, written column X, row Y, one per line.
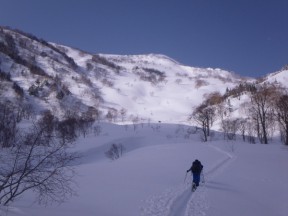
column 47, row 76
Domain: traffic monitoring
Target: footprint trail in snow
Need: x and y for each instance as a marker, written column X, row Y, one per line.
column 180, row 200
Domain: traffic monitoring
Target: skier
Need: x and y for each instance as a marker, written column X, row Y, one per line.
column 196, row 170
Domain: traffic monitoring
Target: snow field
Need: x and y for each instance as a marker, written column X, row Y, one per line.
column 148, row 180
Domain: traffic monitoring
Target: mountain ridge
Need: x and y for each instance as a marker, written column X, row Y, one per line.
column 65, row 80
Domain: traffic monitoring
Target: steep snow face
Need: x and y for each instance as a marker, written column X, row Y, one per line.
column 278, row 77
column 149, row 87
column 156, row 87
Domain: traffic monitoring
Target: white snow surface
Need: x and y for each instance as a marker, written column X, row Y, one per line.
column 148, row 180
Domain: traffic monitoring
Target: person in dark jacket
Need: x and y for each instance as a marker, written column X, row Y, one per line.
column 196, row 170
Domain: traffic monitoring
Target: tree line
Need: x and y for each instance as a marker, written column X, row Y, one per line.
column 36, row 156
column 266, row 111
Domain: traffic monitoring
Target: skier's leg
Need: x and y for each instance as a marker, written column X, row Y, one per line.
column 197, row 179
column 195, row 182
column 193, row 186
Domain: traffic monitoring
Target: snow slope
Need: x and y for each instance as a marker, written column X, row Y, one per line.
column 151, row 87
column 148, row 180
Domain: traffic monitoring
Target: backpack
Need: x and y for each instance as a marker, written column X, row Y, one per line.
column 196, row 167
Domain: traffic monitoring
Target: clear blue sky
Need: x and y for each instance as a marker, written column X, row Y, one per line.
column 249, row 37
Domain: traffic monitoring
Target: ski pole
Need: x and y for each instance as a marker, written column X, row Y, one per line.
column 202, row 177
column 185, row 177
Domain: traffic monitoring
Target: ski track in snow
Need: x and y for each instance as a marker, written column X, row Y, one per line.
column 180, row 200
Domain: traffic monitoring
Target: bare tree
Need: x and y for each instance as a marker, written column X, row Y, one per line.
column 243, row 128
column 214, row 98
column 230, row 128
column 93, row 113
column 282, row 115
column 112, row 114
column 97, row 130
column 123, row 113
column 8, row 121
column 204, row 117
column 262, row 110
column 135, row 121
column 115, row 151
column 38, row 160
column 251, row 132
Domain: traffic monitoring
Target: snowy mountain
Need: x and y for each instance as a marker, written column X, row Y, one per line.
column 150, row 178
column 64, row 80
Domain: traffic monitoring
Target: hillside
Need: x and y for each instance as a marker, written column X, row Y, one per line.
column 61, row 78
column 42, row 75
